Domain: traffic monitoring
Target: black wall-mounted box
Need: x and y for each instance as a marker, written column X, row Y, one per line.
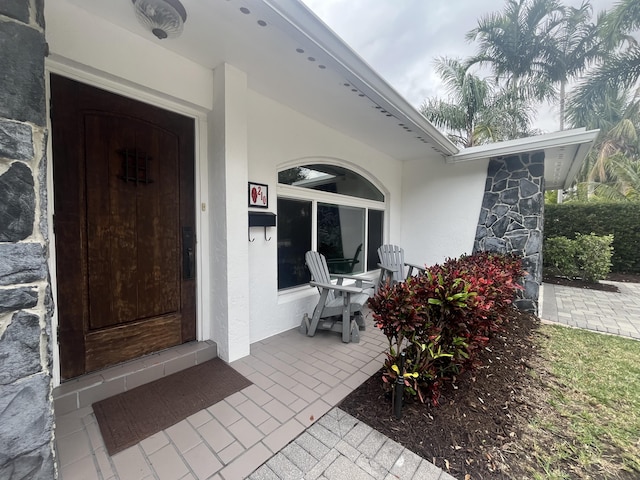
column 262, row 219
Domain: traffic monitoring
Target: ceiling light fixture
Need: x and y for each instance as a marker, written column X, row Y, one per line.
column 164, row 18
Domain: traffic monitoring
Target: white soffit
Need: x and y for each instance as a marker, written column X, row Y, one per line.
column 291, row 56
column 564, row 153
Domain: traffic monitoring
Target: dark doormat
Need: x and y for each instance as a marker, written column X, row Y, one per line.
column 132, row 416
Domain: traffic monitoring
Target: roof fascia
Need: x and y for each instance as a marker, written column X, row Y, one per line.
column 521, row 145
column 360, row 73
column 576, row 163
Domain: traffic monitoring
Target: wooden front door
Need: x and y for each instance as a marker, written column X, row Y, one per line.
column 124, row 222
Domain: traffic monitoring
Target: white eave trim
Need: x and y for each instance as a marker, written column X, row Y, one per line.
column 359, row 73
column 540, row 142
column 576, row 163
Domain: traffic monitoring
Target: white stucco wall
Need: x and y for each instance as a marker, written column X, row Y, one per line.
column 280, row 136
column 77, row 37
column 440, row 208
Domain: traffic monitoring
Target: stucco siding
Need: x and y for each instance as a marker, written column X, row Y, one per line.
column 431, row 208
column 281, row 137
column 77, row 37
column 440, row 207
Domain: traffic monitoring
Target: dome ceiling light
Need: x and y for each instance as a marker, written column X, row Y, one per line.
column 163, row 18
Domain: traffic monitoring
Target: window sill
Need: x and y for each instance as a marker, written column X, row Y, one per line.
column 295, row 293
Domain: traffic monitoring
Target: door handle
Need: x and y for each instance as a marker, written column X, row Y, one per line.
column 188, row 254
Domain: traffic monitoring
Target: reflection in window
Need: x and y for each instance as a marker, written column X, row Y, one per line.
column 331, row 178
column 349, row 227
column 374, row 237
column 294, row 240
column 341, row 237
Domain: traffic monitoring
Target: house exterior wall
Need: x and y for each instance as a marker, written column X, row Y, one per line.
column 432, row 207
column 26, row 414
column 249, row 137
column 280, row 137
column 140, row 69
column 80, row 39
column 440, row 208
column 512, row 217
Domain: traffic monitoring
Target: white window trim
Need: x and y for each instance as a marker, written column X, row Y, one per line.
column 318, row 196
column 301, row 193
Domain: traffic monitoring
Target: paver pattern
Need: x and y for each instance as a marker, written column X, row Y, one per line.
column 340, row 447
column 286, row 425
column 606, row 312
column 297, row 381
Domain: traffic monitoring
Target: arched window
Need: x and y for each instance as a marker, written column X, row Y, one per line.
column 333, row 210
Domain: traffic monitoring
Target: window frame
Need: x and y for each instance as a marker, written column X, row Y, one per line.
column 318, row 196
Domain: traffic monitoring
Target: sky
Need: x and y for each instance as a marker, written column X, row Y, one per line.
column 401, row 38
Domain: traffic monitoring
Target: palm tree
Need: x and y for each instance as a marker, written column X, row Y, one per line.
column 474, row 113
column 619, row 22
column 469, row 95
column 620, row 140
column 617, row 115
column 507, row 117
column 625, row 183
column 621, row 68
column 518, row 45
column 576, row 45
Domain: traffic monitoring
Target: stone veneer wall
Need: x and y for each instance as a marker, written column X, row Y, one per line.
column 512, row 217
column 26, row 413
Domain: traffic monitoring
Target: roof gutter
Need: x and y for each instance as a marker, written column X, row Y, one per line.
column 360, row 74
column 541, row 142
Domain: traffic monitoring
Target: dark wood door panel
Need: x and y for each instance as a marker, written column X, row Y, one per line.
column 123, row 193
column 133, row 235
column 114, row 345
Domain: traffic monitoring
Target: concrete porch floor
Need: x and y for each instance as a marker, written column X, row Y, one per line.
column 296, row 381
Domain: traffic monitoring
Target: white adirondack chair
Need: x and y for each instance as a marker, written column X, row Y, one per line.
column 392, row 265
column 340, row 306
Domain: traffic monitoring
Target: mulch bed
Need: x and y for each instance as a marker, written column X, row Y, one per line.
column 475, row 429
column 576, row 283
column 479, row 430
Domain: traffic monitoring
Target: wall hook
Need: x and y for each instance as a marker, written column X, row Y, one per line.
column 261, row 219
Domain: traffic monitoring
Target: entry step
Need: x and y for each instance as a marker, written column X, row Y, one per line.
column 83, row 391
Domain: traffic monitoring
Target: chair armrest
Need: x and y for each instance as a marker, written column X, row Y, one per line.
column 359, row 280
column 421, row 269
column 388, row 269
column 347, row 277
column 340, row 288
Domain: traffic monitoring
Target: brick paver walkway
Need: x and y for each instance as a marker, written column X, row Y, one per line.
column 286, row 425
column 339, row 447
column 607, row 312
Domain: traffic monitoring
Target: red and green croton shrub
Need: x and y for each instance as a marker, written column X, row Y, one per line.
column 440, row 319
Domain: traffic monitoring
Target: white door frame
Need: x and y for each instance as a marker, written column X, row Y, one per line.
column 126, row 89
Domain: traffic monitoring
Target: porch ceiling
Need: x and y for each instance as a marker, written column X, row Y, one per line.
column 290, row 56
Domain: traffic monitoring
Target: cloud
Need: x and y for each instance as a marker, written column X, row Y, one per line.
column 401, row 38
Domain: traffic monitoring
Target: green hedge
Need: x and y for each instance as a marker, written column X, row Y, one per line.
column 587, row 257
column 620, row 219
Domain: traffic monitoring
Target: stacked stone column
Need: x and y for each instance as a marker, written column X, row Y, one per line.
column 512, row 217
column 26, row 414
